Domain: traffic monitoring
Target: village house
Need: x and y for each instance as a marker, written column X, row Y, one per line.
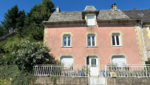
column 97, row 38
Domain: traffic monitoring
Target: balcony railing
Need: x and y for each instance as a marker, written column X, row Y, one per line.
column 84, row 71
column 56, row 70
column 127, row 71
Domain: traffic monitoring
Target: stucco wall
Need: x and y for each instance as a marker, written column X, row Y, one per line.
column 146, row 35
column 104, row 49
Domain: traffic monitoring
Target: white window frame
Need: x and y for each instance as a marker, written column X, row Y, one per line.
column 91, row 41
column 68, row 43
column 116, row 41
column 92, row 20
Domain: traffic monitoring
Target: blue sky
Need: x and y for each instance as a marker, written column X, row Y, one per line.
column 74, row 5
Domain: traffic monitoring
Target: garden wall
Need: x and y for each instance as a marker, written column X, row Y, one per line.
column 61, row 81
column 128, row 81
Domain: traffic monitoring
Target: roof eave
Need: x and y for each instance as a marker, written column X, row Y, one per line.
column 49, row 22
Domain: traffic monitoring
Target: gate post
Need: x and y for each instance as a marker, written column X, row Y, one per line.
column 105, row 70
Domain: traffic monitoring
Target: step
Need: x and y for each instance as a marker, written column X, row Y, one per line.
column 97, row 81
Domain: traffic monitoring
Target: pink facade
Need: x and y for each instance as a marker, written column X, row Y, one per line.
column 103, row 50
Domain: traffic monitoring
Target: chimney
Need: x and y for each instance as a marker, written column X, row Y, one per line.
column 57, row 9
column 114, row 6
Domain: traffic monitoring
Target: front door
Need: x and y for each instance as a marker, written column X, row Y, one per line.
column 93, row 66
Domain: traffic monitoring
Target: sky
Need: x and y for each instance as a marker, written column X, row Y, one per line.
column 74, row 5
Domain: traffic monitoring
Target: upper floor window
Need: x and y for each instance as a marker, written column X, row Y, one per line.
column 91, row 20
column 91, row 40
column 116, row 39
column 66, row 40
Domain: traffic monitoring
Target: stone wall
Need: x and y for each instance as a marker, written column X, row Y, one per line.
column 61, row 81
column 128, row 81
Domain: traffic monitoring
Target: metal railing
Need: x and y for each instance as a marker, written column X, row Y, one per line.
column 127, row 71
column 57, row 70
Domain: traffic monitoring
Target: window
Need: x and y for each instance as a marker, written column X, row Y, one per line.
column 91, row 40
column 118, row 61
column 91, row 60
column 116, row 39
column 67, row 61
column 66, row 40
column 90, row 20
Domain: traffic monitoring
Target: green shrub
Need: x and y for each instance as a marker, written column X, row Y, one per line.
column 23, row 78
column 30, row 54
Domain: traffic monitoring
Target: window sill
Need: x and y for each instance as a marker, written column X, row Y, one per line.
column 92, row 46
column 67, row 47
column 117, row 45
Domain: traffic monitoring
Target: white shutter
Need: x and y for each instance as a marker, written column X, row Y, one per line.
column 119, row 61
column 67, row 61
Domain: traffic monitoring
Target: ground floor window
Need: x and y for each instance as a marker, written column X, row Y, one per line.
column 119, row 61
column 67, row 61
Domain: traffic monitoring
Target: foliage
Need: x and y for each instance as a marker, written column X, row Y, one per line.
column 14, row 19
column 30, row 54
column 33, row 22
column 7, row 73
column 29, row 27
column 23, row 49
column 54, row 79
column 7, row 47
column 5, row 82
column 3, row 31
column 11, row 75
column 147, row 62
column 23, row 78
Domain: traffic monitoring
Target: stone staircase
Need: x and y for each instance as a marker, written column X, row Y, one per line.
column 97, row 81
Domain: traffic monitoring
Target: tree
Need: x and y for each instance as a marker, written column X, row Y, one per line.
column 3, row 31
column 14, row 18
column 33, row 22
column 30, row 54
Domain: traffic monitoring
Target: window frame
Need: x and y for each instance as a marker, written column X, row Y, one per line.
column 68, row 43
column 93, row 43
column 116, row 39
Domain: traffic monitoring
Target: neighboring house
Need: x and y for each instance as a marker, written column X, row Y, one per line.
column 97, row 38
column 143, row 32
column 144, row 29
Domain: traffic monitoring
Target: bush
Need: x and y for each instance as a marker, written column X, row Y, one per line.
column 30, row 54
column 23, row 78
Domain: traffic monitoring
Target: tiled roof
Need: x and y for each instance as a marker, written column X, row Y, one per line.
column 143, row 15
column 111, row 14
column 65, row 16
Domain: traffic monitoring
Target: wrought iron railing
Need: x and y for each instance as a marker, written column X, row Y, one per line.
column 127, row 71
column 57, row 70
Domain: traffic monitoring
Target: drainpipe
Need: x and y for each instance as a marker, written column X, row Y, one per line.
column 142, row 36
